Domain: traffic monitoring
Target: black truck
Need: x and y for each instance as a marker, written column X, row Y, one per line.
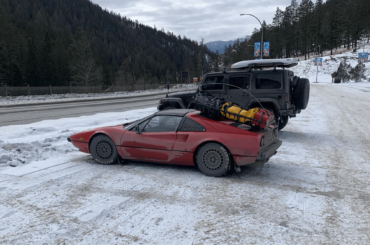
column 256, row 83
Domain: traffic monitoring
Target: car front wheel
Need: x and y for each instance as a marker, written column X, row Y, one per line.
column 103, row 150
column 213, row 160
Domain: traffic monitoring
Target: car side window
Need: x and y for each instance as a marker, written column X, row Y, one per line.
column 141, row 125
column 162, row 124
column 213, row 83
column 268, row 81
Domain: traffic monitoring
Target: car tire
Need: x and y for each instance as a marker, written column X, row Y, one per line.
column 302, row 94
column 213, row 160
column 283, row 122
column 103, row 150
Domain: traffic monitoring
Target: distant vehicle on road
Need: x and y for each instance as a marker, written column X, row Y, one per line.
column 182, row 137
column 250, row 84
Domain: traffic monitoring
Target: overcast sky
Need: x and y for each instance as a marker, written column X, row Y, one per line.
column 212, row 20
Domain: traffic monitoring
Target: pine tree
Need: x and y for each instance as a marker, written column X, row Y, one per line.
column 32, row 69
column 343, row 72
column 356, row 74
column 84, row 70
column 47, row 69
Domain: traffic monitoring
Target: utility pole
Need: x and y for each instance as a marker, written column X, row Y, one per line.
column 363, row 58
column 261, row 45
column 317, row 64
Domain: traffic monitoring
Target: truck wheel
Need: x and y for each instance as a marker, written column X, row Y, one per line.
column 283, row 122
column 213, row 160
column 103, row 150
column 302, row 94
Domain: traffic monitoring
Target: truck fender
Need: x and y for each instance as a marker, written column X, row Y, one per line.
column 262, row 100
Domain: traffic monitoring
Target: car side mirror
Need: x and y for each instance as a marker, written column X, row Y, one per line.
column 137, row 129
column 201, row 88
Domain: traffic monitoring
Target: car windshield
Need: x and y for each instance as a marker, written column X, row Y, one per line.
column 133, row 124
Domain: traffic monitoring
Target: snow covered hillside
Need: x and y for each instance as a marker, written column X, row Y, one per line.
column 306, row 68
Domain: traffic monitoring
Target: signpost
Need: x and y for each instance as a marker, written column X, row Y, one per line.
column 266, row 49
column 185, row 76
column 257, row 50
column 317, row 62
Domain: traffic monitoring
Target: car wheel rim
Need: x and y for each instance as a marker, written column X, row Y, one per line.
column 104, row 149
column 213, row 159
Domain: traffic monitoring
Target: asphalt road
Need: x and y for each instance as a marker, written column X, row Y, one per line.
column 34, row 113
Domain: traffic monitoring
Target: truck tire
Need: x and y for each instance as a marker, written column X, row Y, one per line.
column 283, row 122
column 302, row 94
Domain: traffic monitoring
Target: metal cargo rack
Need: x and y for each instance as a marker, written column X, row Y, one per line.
column 214, row 112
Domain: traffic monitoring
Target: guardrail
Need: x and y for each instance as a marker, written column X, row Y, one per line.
column 49, row 90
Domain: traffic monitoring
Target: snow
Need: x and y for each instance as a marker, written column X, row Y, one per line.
column 80, row 97
column 22, row 144
column 316, row 190
column 306, row 68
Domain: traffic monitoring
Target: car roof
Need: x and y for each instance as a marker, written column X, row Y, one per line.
column 174, row 112
column 266, row 63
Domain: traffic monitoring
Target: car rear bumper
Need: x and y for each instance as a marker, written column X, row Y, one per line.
column 269, row 151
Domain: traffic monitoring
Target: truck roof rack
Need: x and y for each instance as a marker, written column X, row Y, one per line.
column 284, row 63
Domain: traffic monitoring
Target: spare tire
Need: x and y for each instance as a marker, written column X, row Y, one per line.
column 302, row 93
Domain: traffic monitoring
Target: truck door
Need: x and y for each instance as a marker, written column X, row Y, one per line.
column 214, row 85
column 239, row 89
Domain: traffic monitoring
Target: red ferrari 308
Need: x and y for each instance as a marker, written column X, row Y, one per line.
column 181, row 136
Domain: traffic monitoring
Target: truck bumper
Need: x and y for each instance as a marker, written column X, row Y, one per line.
column 269, row 151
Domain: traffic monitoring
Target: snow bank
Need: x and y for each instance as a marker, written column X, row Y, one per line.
column 22, row 144
column 67, row 97
column 306, row 68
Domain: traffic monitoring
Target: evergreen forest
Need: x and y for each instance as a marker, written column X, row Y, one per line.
column 301, row 28
column 76, row 42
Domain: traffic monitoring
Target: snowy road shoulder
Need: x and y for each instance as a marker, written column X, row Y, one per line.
column 314, row 191
column 23, row 144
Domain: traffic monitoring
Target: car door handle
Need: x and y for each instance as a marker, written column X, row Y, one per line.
column 244, row 94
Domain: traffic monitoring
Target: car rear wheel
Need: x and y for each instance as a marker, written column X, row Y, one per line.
column 103, row 150
column 213, row 160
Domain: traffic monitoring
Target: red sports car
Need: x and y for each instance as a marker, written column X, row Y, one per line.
column 181, row 136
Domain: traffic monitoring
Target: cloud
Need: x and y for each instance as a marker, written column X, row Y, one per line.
column 209, row 19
